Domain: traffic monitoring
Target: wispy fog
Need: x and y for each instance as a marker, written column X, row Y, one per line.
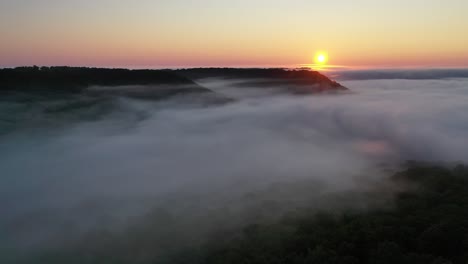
column 409, row 74
column 146, row 179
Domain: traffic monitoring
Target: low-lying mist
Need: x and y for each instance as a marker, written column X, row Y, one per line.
column 138, row 181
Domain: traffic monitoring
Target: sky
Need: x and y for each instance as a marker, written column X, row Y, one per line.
column 244, row 33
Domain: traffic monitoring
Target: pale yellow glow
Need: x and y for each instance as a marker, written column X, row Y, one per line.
column 321, row 58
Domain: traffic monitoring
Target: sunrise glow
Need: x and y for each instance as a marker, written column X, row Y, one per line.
column 147, row 34
column 321, row 58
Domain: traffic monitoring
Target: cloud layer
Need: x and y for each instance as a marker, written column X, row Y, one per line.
column 409, row 74
column 180, row 172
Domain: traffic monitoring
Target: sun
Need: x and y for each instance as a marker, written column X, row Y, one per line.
column 321, row 58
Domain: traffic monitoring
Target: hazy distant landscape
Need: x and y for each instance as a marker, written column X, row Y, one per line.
column 235, row 165
column 234, row 132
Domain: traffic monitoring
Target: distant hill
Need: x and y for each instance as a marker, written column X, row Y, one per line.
column 296, row 80
column 78, row 78
column 142, row 84
column 157, row 83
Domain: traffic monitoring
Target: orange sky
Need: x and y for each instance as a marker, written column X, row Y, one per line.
column 184, row 33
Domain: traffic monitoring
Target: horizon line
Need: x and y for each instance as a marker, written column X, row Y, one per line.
column 314, row 67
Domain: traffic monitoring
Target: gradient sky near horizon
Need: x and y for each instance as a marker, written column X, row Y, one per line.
column 189, row 33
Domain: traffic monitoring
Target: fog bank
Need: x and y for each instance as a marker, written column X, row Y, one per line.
column 145, row 179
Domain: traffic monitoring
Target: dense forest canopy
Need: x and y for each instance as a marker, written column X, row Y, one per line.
column 427, row 223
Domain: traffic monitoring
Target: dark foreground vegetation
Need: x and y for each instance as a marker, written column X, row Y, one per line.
column 428, row 224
